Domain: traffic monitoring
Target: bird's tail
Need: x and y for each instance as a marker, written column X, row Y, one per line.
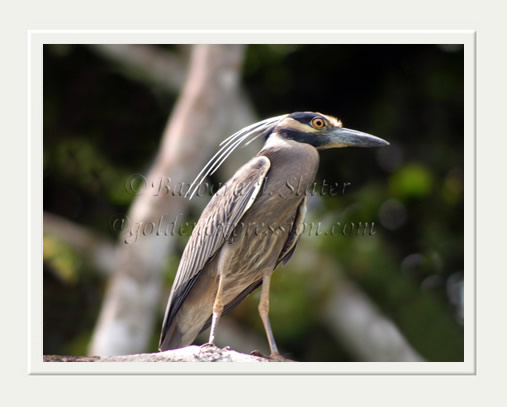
column 171, row 338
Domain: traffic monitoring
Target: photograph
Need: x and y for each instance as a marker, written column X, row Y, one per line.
column 284, row 202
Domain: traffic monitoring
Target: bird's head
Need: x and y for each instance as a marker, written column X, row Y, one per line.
column 322, row 132
column 316, row 129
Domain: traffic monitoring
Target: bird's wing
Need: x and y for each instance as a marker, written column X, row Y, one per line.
column 217, row 221
column 294, row 234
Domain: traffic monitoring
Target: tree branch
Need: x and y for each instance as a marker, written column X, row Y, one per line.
column 162, row 67
column 361, row 327
column 99, row 251
column 353, row 317
column 167, row 70
column 204, row 353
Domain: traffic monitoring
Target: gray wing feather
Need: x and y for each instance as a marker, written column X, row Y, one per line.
column 217, row 221
column 295, row 233
column 221, row 216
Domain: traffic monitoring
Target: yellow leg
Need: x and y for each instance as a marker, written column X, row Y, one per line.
column 218, row 308
column 264, row 311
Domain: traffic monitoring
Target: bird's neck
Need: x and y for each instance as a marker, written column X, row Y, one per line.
column 290, row 158
column 275, row 141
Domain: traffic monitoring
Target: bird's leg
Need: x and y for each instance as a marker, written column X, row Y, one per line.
column 218, row 308
column 264, row 311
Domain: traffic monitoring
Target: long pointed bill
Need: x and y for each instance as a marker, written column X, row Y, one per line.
column 341, row 137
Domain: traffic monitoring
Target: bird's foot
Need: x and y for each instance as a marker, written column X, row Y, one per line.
column 274, row 356
column 208, row 345
column 279, row 358
column 209, row 352
column 212, row 345
column 258, row 354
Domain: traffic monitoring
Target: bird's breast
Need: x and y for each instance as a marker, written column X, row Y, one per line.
column 256, row 243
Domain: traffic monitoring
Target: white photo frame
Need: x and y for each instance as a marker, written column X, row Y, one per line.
column 35, row 41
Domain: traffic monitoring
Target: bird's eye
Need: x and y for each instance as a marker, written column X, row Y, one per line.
column 318, row 123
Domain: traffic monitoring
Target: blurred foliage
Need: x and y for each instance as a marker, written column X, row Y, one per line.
column 103, row 122
column 62, row 259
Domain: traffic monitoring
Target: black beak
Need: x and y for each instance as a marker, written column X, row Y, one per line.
column 341, row 137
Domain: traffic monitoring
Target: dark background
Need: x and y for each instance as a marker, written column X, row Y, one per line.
column 103, row 122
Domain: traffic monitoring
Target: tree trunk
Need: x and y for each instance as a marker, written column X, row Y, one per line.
column 131, row 301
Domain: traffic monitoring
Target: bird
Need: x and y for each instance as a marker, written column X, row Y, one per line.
column 251, row 224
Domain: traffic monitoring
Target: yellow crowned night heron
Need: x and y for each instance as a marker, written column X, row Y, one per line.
column 251, row 224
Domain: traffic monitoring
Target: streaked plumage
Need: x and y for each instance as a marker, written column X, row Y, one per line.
column 251, row 224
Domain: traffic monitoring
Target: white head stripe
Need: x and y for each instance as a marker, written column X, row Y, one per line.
column 244, row 136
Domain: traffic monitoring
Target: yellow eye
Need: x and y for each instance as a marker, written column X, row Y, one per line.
column 318, row 123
